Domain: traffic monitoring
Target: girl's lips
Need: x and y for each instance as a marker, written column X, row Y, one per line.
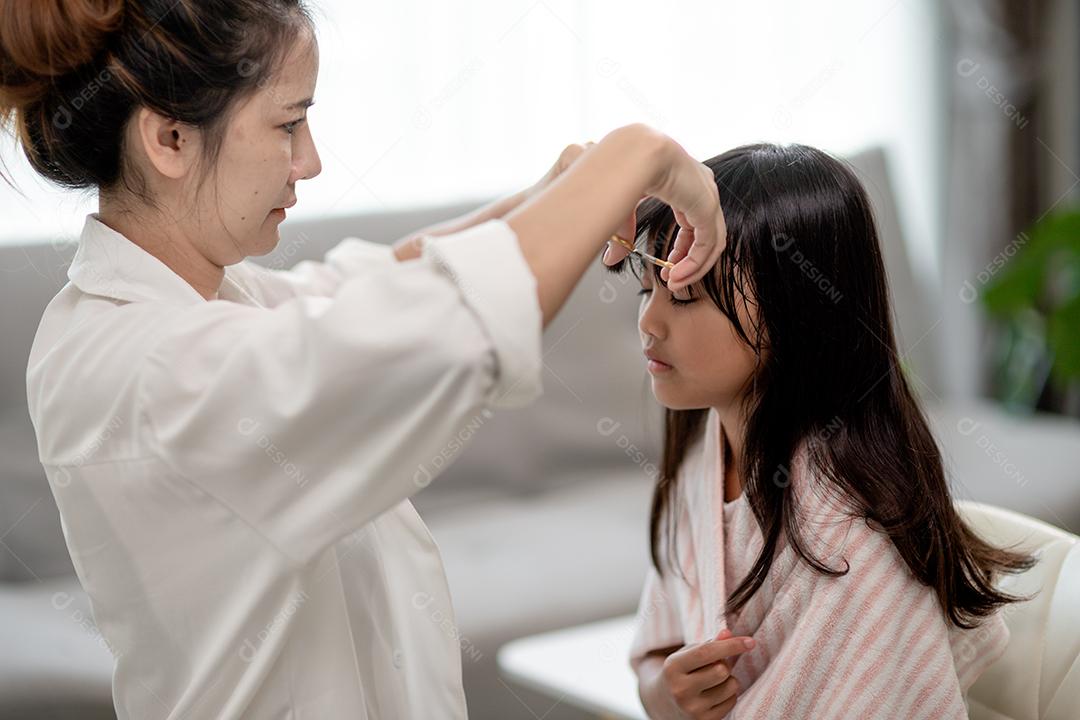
column 656, row 365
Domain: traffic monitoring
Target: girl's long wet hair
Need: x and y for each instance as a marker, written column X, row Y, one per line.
column 803, row 258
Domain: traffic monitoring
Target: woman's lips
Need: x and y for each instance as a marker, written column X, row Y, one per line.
column 280, row 212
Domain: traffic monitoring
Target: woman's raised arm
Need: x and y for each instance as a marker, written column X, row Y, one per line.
column 562, row 229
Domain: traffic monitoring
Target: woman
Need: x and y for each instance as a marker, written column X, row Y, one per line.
column 231, row 448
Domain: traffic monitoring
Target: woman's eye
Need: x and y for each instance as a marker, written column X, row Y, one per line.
column 290, row 126
column 644, row 291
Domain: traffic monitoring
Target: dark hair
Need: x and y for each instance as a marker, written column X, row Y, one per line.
column 72, row 72
column 803, row 248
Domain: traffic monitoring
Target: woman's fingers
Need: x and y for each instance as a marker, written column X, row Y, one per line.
column 614, row 253
column 567, row 157
column 571, row 154
column 690, row 189
column 700, row 240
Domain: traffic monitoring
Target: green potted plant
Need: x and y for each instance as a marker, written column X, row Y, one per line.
column 1033, row 299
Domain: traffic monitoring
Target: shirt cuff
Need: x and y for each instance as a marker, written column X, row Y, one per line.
column 486, row 264
column 352, row 255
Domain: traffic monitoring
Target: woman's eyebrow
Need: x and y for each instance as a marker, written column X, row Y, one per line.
column 305, row 103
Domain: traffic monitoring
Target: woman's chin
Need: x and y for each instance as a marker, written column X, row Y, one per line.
column 265, row 241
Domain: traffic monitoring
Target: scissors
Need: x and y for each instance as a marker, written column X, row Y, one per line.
column 641, row 253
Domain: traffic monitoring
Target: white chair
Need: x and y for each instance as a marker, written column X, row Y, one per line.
column 1038, row 677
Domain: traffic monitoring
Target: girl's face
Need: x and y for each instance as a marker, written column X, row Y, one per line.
column 698, row 359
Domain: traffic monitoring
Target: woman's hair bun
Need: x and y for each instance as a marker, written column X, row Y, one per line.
column 73, row 72
column 41, row 40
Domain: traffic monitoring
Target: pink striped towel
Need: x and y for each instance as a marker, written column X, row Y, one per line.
column 873, row 643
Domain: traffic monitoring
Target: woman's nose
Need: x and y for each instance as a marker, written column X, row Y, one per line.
column 307, row 163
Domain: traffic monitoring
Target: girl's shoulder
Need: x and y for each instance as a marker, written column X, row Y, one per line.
column 830, row 521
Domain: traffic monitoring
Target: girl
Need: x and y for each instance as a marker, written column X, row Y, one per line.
column 801, row 500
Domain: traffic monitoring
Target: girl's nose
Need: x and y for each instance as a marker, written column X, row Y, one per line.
column 650, row 319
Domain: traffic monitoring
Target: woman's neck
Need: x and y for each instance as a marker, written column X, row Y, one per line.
column 169, row 244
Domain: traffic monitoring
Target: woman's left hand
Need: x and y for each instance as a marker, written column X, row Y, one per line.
column 409, row 247
column 567, row 157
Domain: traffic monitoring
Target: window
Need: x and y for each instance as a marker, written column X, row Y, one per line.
column 425, row 102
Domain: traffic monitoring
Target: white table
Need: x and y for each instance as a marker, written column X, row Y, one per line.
column 586, row 666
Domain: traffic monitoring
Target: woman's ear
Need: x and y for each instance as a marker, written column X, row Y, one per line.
column 170, row 146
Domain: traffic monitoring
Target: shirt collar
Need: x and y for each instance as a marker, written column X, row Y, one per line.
column 108, row 264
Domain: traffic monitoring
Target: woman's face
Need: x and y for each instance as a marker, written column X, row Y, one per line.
column 700, row 361
column 267, row 148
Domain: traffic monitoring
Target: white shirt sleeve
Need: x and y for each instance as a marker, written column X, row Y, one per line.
column 309, row 419
column 349, row 258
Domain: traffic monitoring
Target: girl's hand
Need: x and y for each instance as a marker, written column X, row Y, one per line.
column 696, row 682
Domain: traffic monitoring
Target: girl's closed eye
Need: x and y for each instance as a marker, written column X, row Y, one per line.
column 683, row 297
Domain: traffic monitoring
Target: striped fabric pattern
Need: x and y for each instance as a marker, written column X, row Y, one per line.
column 873, row 643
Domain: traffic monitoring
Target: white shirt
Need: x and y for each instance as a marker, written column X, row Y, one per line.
column 232, row 475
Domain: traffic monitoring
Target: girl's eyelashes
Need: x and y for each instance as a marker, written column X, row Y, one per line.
column 678, row 302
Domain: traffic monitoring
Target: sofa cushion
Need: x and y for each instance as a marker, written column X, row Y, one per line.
column 53, row 661
column 31, row 543
column 522, row 565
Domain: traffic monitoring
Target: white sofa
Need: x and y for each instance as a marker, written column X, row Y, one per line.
column 1038, row 677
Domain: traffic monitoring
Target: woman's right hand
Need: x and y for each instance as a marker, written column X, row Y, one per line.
column 689, row 188
column 561, row 228
column 695, row 682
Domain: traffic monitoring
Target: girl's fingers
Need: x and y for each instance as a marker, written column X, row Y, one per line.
column 721, row 711
column 697, row 656
column 718, row 685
